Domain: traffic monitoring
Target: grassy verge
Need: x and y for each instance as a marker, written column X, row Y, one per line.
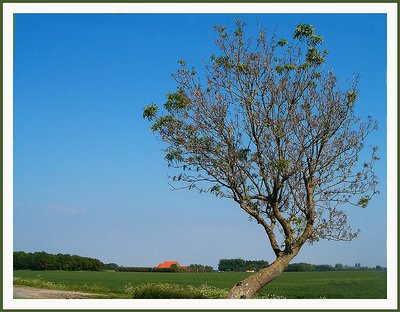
column 174, row 291
column 142, row 291
column 102, row 292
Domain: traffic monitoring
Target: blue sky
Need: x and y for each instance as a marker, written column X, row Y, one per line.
column 90, row 177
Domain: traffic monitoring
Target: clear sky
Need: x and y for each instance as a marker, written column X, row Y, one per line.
column 90, row 177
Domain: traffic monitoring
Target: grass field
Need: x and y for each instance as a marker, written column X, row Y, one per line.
column 290, row 285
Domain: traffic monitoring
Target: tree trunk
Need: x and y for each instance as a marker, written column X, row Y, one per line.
column 249, row 286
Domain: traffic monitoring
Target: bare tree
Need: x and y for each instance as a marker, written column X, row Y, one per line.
column 268, row 128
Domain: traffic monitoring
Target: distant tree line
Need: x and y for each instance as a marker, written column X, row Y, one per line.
column 42, row 261
column 111, row 266
column 238, row 265
column 199, row 268
column 143, row 269
column 193, row 268
column 308, row 267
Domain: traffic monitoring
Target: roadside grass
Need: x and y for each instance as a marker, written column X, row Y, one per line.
column 290, row 285
column 174, row 291
column 100, row 291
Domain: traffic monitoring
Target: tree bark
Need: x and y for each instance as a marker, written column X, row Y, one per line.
column 251, row 285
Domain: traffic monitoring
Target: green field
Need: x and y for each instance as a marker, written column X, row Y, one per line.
column 290, row 285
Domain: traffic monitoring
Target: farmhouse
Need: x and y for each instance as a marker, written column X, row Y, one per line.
column 168, row 264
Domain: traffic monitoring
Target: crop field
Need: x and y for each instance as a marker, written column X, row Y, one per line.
column 290, row 285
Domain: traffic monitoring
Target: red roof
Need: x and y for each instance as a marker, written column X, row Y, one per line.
column 167, row 264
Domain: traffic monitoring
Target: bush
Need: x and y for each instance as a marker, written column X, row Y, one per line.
column 174, row 291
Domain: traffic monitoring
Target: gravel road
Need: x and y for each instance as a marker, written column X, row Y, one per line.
column 23, row 292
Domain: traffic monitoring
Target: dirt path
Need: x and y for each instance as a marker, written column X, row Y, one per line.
column 23, row 292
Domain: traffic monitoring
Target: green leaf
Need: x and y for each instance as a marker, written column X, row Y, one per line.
column 150, row 111
column 306, row 33
column 182, row 62
column 351, row 97
column 282, row 42
column 177, row 101
column 215, row 189
column 363, row 202
column 173, row 155
column 243, row 154
column 238, row 32
column 243, row 67
column 289, row 67
column 314, row 56
column 279, row 69
column 161, row 122
column 219, row 28
column 222, row 61
column 303, row 31
column 282, row 164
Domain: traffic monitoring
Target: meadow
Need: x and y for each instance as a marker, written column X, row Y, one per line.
column 290, row 285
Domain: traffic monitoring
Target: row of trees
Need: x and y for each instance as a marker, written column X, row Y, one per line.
column 193, row 268
column 42, row 261
column 199, row 268
column 238, row 265
column 143, row 269
column 241, row 265
column 308, row 267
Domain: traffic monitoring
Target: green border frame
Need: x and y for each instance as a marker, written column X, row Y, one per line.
column 183, row 1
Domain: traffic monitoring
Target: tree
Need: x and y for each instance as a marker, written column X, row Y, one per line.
column 257, row 264
column 270, row 129
column 174, row 268
column 300, row 267
column 323, row 267
column 111, row 266
column 199, row 268
column 241, row 265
